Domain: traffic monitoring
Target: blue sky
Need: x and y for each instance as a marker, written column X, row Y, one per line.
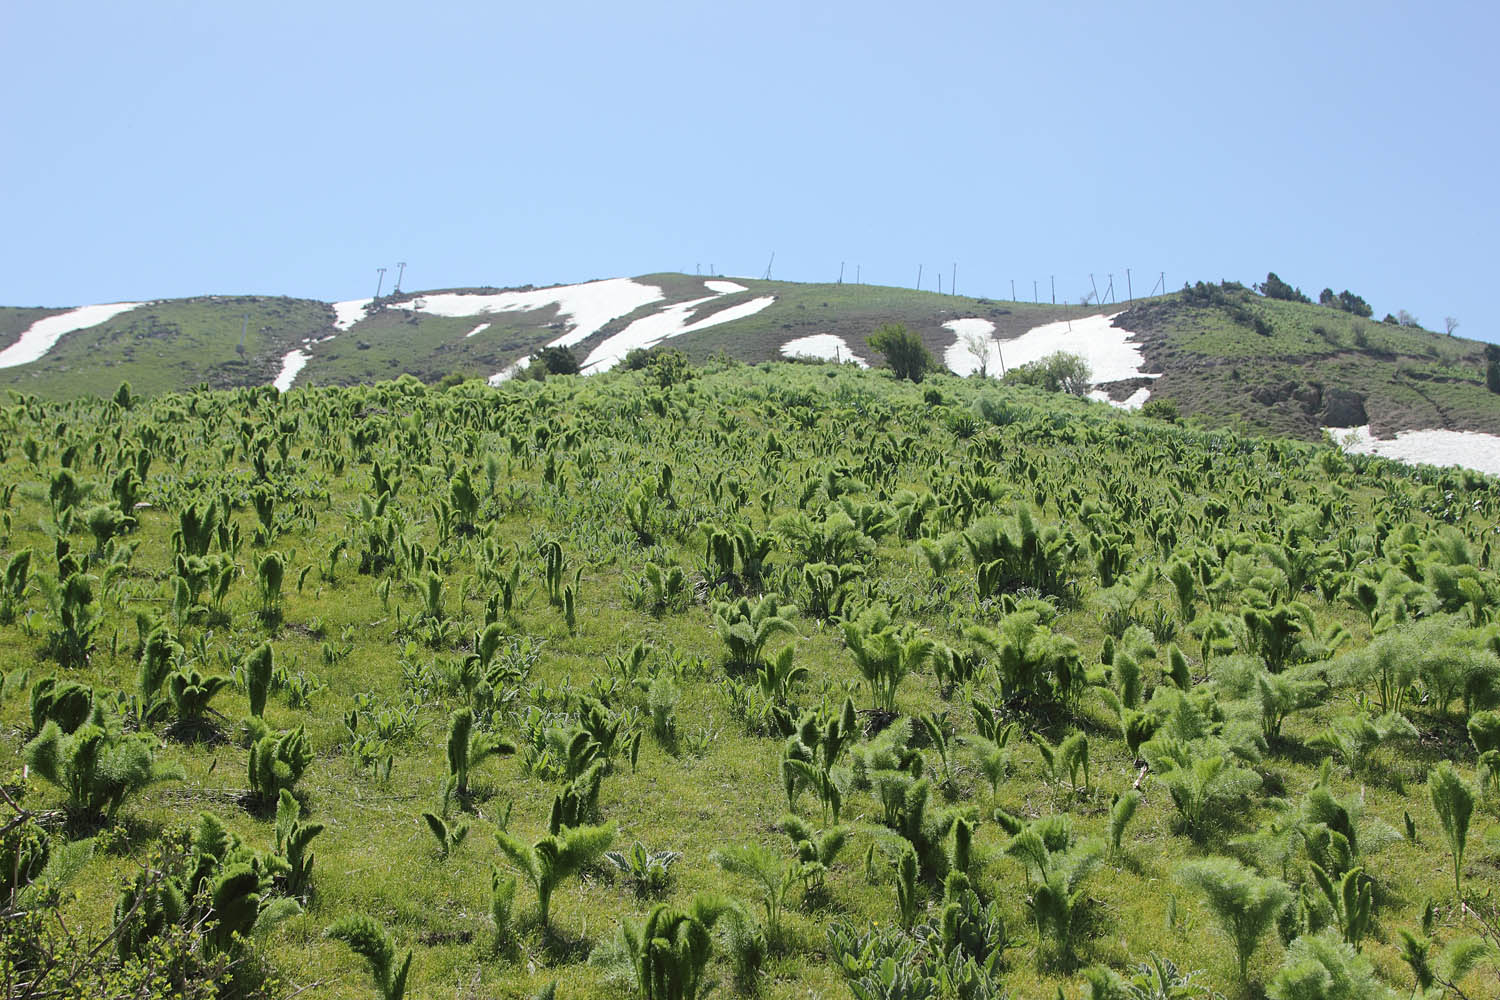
column 158, row 150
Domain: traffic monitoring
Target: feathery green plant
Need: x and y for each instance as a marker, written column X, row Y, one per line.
column 1244, row 904
column 553, row 858
column 371, row 942
column 1453, row 801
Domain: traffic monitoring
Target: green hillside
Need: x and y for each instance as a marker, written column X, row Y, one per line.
column 1226, row 355
column 1281, row 367
column 174, row 345
column 947, row 690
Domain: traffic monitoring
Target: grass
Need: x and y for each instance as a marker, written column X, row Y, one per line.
column 376, row 856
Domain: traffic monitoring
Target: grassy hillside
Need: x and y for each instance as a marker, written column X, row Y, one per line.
column 1228, row 356
column 1267, row 647
column 173, row 345
column 1267, row 365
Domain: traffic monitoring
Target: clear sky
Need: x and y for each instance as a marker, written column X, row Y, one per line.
column 166, row 149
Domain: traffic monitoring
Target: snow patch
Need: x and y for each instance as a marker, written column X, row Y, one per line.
column 588, row 306
column 508, row 372
column 826, row 346
column 963, row 361
column 671, row 321
column 478, row 329
column 1469, row 449
column 1107, row 349
column 346, row 314
column 41, row 336
column 292, row 363
column 1134, row 401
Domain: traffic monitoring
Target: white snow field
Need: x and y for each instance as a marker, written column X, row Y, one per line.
column 1107, row 349
column 669, row 322
column 1469, row 449
column 39, row 337
column 587, row 306
column 292, row 363
column 346, row 314
column 478, row 329
column 959, row 358
column 825, row 346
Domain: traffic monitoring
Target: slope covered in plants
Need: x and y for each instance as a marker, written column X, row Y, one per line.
column 796, row 679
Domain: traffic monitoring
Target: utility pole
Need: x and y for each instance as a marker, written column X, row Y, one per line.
column 380, row 282
column 953, row 284
column 919, row 277
column 856, row 274
column 940, row 282
column 399, row 275
column 769, row 263
column 1013, row 289
column 841, row 272
column 1129, row 289
column 1053, row 279
column 1035, row 297
column 1096, row 290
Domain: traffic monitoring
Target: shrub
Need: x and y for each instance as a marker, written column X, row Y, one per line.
column 904, row 351
column 1161, row 409
column 1059, row 371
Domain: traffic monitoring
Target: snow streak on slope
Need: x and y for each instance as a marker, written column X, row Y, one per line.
column 346, row 314
column 292, row 363
column 588, row 306
column 826, row 346
column 672, row 321
column 1470, row 449
column 40, row 336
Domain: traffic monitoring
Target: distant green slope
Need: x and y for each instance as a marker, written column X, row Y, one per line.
column 165, row 346
column 1225, row 354
column 1233, row 357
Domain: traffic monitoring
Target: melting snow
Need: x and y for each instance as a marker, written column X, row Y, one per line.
column 1106, row 348
column 478, row 329
column 1134, row 401
column 508, row 372
column 672, row 321
column 588, row 306
column 822, row 345
column 346, row 314
column 40, row 336
column 291, row 364
column 1470, row 449
column 959, row 358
